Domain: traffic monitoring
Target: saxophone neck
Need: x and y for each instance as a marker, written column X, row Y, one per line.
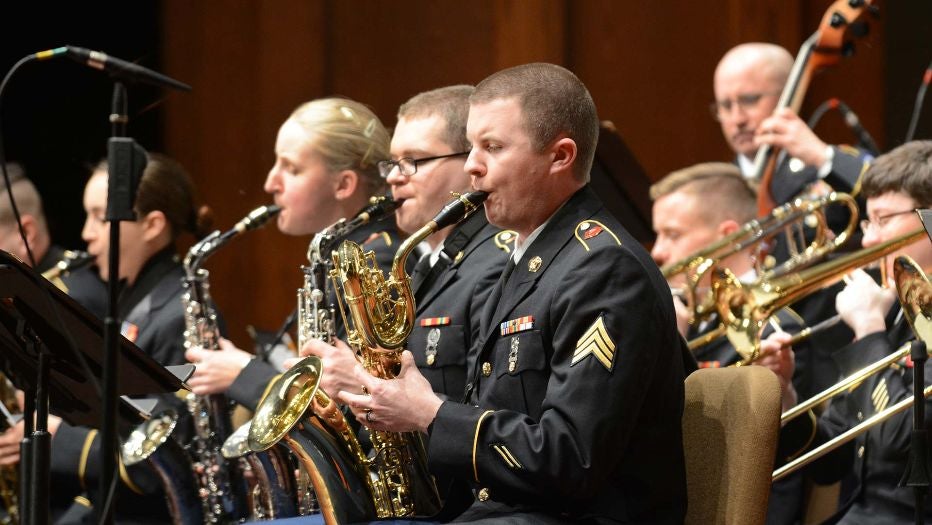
column 216, row 240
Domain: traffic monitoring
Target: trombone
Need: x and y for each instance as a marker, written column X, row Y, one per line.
column 810, row 212
column 915, row 295
column 745, row 308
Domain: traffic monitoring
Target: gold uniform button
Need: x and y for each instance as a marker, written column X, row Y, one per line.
column 487, row 369
column 483, row 494
column 861, row 451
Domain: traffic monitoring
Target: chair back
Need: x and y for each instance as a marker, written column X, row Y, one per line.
column 731, row 422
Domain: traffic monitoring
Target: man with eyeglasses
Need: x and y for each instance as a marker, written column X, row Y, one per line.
column 747, row 84
column 575, row 383
column 453, row 278
column 896, row 185
column 462, row 262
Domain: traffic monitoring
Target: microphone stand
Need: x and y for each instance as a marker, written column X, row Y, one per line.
column 125, row 161
column 918, row 470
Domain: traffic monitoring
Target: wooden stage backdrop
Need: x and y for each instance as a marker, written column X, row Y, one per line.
column 648, row 65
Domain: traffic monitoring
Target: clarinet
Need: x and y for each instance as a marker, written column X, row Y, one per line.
column 220, row 484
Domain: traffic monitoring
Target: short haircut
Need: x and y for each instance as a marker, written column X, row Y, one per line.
column 724, row 192
column 28, row 201
column 450, row 103
column 553, row 101
column 347, row 135
column 906, row 169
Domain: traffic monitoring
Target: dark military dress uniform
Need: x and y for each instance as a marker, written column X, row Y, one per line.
column 878, row 457
column 83, row 285
column 154, row 321
column 577, row 387
column 381, row 237
column 449, row 298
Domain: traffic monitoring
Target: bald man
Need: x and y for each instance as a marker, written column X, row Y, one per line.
column 747, row 83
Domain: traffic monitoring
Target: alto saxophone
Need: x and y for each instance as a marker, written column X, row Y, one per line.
column 350, row 485
column 218, row 481
column 71, row 261
column 9, row 474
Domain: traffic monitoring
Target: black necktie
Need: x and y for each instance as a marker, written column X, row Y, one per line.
column 426, row 278
column 420, row 271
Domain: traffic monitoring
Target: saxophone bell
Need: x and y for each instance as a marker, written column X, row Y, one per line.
column 270, row 476
column 151, row 441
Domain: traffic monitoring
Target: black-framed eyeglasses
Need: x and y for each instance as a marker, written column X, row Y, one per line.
column 881, row 220
column 408, row 166
column 746, row 102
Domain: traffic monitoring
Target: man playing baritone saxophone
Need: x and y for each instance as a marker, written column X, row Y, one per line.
column 452, row 281
column 575, row 383
column 896, row 184
column 326, row 168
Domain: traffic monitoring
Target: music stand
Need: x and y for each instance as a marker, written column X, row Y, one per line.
column 42, row 331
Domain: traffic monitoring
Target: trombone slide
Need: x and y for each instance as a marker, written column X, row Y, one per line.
column 852, row 433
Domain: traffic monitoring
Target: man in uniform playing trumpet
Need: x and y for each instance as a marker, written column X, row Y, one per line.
column 575, row 385
column 895, row 185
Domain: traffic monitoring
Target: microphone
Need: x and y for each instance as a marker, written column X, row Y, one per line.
column 115, row 66
column 917, row 106
column 851, row 120
column 854, row 123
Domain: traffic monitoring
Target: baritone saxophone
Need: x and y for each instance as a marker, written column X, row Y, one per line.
column 351, row 485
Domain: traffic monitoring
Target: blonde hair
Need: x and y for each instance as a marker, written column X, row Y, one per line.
column 725, row 193
column 347, row 135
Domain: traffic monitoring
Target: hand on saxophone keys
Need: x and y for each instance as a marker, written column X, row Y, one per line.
column 9, row 444
column 338, row 360
column 215, row 370
column 402, row 404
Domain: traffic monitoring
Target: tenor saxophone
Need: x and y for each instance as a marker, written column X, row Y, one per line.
column 350, row 485
column 219, row 491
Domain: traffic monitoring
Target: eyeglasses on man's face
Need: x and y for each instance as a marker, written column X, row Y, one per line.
column 881, row 220
column 407, row 166
column 746, row 102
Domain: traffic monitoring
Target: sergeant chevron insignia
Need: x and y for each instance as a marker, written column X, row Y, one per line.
column 597, row 342
column 880, row 396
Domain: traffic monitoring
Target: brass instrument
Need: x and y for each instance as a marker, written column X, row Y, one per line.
column 915, row 295
column 72, row 260
column 270, row 477
column 315, row 320
column 745, row 308
column 351, row 486
column 218, row 494
column 9, row 475
column 787, row 217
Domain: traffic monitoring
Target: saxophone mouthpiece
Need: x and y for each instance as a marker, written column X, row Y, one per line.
column 257, row 218
column 459, row 208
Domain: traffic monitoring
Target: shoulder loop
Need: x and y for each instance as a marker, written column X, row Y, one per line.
column 589, row 229
column 505, row 240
